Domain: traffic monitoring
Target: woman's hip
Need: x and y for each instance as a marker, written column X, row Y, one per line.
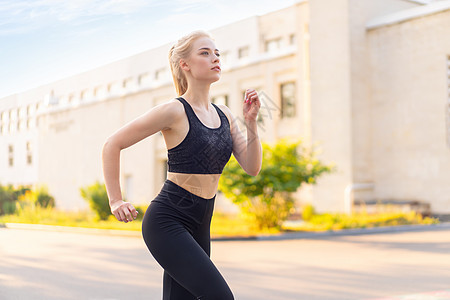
column 173, row 203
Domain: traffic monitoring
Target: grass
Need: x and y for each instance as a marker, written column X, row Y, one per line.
column 337, row 221
column 221, row 224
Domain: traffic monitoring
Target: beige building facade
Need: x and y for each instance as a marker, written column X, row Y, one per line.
column 366, row 81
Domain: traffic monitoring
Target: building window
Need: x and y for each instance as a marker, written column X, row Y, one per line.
column 13, row 114
column 161, row 74
column 23, row 112
column 222, row 99
column 243, row 52
column 287, row 93
column 273, row 45
column 29, row 154
column 84, row 95
column 31, row 110
column 292, row 39
column 12, row 127
column 113, row 88
column 126, row 83
column 22, row 125
column 11, row 155
column 3, row 123
column 4, row 116
column 144, row 79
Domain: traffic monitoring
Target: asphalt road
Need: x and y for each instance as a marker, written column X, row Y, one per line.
column 56, row 265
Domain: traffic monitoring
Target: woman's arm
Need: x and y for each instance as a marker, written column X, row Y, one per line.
column 158, row 118
column 248, row 152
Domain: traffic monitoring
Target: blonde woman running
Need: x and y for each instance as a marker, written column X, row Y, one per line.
column 200, row 137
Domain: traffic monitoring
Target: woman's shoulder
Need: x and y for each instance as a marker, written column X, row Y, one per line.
column 171, row 108
column 167, row 113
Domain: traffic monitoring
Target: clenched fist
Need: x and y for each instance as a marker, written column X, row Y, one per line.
column 123, row 211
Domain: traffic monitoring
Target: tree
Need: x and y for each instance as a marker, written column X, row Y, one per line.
column 267, row 197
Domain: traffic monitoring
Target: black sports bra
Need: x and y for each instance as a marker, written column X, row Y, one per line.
column 204, row 150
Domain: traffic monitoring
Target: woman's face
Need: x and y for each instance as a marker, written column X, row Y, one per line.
column 202, row 60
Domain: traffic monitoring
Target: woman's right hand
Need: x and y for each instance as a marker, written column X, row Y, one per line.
column 123, row 211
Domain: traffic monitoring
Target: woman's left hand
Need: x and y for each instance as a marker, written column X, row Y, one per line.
column 251, row 105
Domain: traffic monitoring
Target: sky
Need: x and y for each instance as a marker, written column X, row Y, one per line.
column 46, row 40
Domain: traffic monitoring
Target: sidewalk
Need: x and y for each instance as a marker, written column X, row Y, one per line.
column 282, row 236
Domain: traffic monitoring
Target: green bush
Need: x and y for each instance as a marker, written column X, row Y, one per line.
column 97, row 198
column 43, row 198
column 8, row 208
column 9, row 197
column 36, row 197
column 267, row 197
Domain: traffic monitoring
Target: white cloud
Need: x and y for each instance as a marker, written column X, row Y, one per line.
column 22, row 16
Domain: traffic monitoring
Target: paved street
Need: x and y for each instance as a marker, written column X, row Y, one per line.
column 56, row 265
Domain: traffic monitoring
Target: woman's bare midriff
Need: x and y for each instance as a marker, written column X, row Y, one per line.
column 202, row 185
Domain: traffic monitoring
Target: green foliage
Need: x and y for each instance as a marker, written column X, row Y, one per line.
column 43, row 198
column 37, row 197
column 267, row 197
column 12, row 198
column 9, row 196
column 97, row 198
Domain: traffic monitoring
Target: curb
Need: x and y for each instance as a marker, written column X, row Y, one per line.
column 282, row 236
column 357, row 231
column 69, row 229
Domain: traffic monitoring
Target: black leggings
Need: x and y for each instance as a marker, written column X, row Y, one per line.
column 176, row 230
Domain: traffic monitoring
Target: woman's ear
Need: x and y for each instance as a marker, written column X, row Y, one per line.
column 184, row 65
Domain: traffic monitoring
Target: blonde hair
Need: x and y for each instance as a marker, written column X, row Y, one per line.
column 181, row 50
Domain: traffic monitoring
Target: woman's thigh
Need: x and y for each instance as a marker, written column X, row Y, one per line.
column 181, row 256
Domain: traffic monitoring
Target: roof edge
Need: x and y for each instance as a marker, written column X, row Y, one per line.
column 420, row 1
column 408, row 14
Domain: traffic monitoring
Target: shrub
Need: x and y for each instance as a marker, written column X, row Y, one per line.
column 9, row 197
column 97, row 198
column 267, row 197
column 38, row 196
column 43, row 198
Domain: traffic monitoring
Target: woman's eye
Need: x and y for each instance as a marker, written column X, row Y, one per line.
column 205, row 52
column 217, row 54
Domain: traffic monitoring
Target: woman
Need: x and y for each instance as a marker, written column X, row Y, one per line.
column 200, row 137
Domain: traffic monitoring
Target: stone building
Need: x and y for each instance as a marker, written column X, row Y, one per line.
column 367, row 81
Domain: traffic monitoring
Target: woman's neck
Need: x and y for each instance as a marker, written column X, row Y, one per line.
column 198, row 96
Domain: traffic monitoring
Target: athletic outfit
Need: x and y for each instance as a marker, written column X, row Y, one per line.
column 176, row 225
